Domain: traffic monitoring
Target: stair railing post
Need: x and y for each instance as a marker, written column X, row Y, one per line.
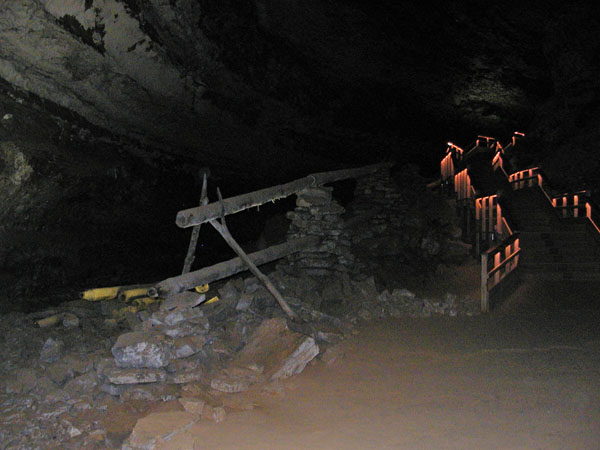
column 485, row 304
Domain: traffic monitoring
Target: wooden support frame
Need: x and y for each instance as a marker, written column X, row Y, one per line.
column 222, row 229
column 196, row 216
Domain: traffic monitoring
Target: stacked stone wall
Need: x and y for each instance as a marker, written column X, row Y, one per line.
column 318, row 214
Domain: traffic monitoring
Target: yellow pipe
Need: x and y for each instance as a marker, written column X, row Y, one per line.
column 97, row 294
column 49, row 321
column 132, row 293
column 202, row 289
column 120, row 313
column 212, row 300
column 145, row 301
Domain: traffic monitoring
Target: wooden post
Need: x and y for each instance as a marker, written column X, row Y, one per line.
column 485, row 301
column 497, row 259
column 490, row 219
column 189, row 259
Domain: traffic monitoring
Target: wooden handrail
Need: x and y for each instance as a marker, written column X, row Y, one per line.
column 502, row 266
column 504, row 262
column 580, row 201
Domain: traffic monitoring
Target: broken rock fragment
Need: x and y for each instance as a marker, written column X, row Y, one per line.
column 139, row 349
column 192, row 405
column 230, row 384
column 51, row 351
column 187, row 346
column 155, row 429
column 280, row 351
column 182, row 300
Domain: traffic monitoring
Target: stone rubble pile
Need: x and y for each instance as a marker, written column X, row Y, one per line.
column 404, row 303
column 64, row 381
column 318, row 214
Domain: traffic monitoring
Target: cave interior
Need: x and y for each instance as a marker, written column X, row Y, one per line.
column 112, row 109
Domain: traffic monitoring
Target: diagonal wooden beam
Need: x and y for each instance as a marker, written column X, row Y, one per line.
column 190, row 257
column 225, row 233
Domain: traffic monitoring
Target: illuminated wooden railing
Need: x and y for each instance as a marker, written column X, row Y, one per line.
column 463, row 187
column 516, row 135
column 502, row 259
column 496, row 264
column 492, row 226
column 498, row 163
column 526, row 179
column 488, row 141
column 577, row 204
column 454, row 154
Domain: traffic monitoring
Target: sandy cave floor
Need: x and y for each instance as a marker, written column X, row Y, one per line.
column 488, row 382
column 526, row 376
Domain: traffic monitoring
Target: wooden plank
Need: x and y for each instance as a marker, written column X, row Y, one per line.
column 196, row 216
column 225, row 269
column 485, row 303
column 191, row 253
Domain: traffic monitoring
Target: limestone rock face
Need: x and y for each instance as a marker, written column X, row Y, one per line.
column 95, row 59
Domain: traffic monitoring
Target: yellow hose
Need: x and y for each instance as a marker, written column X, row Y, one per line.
column 132, row 293
column 145, row 301
column 97, row 294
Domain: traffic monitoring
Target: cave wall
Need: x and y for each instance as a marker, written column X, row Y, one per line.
column 243, row 80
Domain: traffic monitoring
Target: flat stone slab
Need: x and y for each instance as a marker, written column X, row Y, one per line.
column 135, row 376
column 155, row 429
column 280, row 351
column 230, row 384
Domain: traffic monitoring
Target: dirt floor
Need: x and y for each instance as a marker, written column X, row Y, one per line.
column 502, row 381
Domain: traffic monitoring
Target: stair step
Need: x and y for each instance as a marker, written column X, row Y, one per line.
column 592, row 267
column 562, row 276
column 540, row 257
column 562, row 255
column 555, row 236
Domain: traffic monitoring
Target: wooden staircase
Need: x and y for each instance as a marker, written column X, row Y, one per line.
column 518, row 222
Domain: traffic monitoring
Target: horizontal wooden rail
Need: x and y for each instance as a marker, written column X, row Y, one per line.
column 201, row 214
column 225, row 269
column 504, row 262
